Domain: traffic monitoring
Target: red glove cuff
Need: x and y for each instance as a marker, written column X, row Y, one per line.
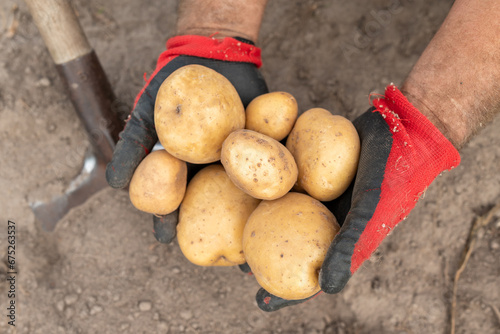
column 412, row 126
column 419, row 153
column 228, row 49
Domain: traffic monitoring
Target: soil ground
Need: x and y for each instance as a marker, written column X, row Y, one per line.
column 102, row 271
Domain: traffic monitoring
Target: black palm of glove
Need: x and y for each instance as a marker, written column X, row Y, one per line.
column 402, row 152
column 139, row 135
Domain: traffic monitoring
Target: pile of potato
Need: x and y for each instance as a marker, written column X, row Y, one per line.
column 259, row 200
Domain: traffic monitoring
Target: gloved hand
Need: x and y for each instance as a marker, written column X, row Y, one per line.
column 235, row 58
column 401, row 154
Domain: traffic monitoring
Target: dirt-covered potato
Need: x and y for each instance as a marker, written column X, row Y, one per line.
column 326, row 148
column 285, row 243
column 272, row 114
column 196, row 109
column 211, row 219
column 159, row 183
column 259, row 165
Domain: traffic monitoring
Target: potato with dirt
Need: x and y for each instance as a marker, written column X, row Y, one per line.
column 285, row 242
column 159, row 183
column 259, row 165
column 196, row 108
column 272, row 114
column 326, row 148
column 211, row 219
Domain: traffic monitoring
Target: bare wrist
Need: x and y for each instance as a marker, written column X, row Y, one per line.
column 454, row 130
column 221, row 18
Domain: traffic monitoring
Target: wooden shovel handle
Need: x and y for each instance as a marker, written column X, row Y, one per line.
column 60, row 29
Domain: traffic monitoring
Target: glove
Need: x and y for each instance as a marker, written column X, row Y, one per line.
column 235, row 58
column 402, row 152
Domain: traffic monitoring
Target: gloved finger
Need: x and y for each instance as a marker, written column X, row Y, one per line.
column 136, row 141
column 270, row 303
column 139, row 135
column 165, row 227
column 336, row 269
column 245, row 268
column 342, row 260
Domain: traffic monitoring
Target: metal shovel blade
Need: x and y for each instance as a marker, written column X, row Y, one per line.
column 90, row 180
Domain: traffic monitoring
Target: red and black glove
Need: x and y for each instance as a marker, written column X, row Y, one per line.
column 402, row 152
column 235, row 58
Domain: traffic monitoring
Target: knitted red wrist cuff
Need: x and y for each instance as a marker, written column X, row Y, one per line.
column 229, row 49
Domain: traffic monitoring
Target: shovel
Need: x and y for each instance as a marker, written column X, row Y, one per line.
column 92, row 97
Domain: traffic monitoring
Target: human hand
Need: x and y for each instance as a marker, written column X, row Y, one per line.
column 235, row 58
column 402, row 152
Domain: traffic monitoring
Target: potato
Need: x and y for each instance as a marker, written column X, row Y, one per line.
column 326, row 148
column 159, row 183
column 272, row 114
column 195, row 110
column 211, row 219
column 285, row 243
column 259, row 165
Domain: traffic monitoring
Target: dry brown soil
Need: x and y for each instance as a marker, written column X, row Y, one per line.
column 102, row 271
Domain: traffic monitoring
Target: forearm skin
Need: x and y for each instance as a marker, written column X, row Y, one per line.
column 456, row 81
